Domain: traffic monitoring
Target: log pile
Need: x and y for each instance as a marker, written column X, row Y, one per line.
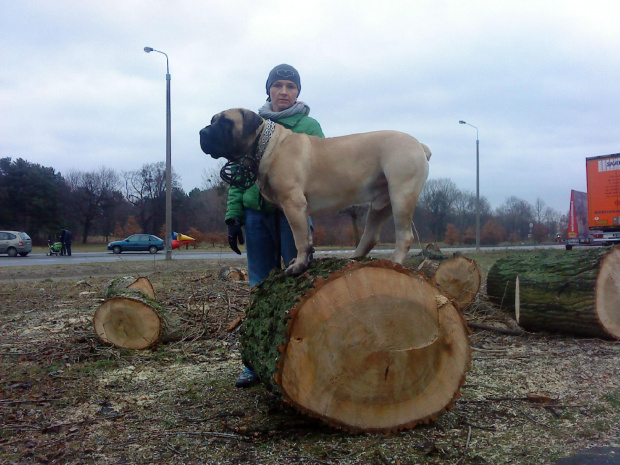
column 364, row 346
column 130, row 316
column 576, row 292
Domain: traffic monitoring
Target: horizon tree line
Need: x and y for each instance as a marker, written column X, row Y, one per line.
column 105, row 203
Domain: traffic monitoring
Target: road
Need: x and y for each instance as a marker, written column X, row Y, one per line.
column 109, row 257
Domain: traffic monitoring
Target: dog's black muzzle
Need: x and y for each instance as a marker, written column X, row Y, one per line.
column 212, row 142
column 240, row 171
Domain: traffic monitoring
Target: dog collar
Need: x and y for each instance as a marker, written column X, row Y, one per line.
column 265, row 138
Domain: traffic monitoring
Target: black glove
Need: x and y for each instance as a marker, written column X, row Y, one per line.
column 235, row 234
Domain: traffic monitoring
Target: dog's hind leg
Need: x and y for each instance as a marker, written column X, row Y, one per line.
column 403, row 209
column 377, row 215
column 404, row 237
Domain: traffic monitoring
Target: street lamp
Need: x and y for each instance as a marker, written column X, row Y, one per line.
column 168, row 160
column 477, row 185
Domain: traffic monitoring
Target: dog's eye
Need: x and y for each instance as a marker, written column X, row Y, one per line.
column 225, row 122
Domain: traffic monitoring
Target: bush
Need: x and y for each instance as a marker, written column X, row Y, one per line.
column 452, row 235
column 492, row 233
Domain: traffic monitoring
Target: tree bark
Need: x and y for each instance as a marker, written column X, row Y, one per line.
column 121, row 284
column 364, row 346
column 130, row 317
column 574, row 292
column 502, row 275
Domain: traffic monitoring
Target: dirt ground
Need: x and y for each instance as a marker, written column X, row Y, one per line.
column 67, row 398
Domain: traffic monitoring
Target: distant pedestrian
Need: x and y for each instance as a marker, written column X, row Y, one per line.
column 68, row 240
column 63, row 236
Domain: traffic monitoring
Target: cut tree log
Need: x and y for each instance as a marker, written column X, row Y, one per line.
column 232, row 273
column 365, row 346
column 456, row 276
column 574, row 293
column 130, row 318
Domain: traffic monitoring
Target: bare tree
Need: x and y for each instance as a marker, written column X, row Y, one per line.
column 211, row 178
column 438, row 199
column 145, row 189
column 515, row 215
column 93, row 195
column 464, row 209
column 539, row 210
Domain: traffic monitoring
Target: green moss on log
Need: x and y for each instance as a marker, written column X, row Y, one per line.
column 267, row 317
column 541, row 264
column 578, row 296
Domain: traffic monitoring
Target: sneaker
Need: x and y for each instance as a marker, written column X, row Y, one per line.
column 246, row 379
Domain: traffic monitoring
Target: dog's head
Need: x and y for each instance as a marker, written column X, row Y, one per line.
column 231, row 134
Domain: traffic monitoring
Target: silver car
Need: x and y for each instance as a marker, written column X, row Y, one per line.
column 15, row 242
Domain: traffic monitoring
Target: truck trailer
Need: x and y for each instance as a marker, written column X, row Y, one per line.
column 594, row 217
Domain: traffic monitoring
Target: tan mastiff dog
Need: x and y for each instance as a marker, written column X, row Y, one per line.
column 307, row 175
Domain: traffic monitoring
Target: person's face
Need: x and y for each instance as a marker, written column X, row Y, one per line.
column 283, row 95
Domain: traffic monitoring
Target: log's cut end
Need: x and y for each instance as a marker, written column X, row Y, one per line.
column 127, row 323
column 374, row 349
column 608, row 293
column 232, row 273
column 144, row 285
column 459, row 278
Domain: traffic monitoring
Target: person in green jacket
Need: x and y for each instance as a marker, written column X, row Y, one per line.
column 268, row 235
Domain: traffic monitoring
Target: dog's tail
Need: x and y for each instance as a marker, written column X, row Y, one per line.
column 427, row 151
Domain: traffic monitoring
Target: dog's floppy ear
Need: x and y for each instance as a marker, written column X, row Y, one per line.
column 251, row 122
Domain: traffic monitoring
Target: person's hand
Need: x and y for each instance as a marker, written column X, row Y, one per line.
column 235, row 234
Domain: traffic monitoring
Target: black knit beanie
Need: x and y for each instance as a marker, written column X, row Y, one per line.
column 283, row 72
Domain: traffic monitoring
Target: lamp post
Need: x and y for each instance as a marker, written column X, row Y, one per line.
column 168, row 160
column 477, row 185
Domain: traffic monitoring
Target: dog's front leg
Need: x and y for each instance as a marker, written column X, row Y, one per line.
column 296, row 212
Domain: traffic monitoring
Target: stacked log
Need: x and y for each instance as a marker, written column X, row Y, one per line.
column 364, row 346
column 122, row 284
column 131, row 318
column 575, row 292
column 458, row 277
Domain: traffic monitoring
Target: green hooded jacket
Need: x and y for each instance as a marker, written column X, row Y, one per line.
column 240, row 199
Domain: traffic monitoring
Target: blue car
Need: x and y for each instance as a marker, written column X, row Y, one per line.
column 137, row 243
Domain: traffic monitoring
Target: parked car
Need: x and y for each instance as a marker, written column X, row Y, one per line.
column 137, row 243
column 15, row 242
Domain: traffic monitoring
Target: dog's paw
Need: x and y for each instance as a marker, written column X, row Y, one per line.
column 295, row 269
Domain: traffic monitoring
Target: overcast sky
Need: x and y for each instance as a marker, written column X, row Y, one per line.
column 540, row 79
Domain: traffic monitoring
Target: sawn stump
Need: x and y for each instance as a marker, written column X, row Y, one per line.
column 131, row 318
column 364, row 346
